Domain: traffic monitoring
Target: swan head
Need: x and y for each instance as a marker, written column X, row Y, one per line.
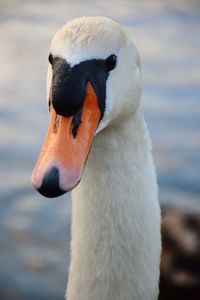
column 93, row 82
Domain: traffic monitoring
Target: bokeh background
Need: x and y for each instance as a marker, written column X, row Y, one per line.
column 34, row 231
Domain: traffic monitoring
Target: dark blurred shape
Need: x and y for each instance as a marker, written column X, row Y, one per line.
column 180, row 261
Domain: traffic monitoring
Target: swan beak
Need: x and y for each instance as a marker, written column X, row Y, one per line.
column 65, row 150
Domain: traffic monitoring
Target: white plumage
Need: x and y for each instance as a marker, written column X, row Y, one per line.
column 115, row 247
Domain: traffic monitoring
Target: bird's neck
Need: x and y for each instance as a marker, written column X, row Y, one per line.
column 115, row 218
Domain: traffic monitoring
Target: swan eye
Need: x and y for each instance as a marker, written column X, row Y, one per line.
column 50, row 58
column 111, row 62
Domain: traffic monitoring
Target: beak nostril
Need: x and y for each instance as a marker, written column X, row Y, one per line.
column 56, row 124
column 76, row 121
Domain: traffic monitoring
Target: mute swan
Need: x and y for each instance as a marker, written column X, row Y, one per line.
column 94, row 91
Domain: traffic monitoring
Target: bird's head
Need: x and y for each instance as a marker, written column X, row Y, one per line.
column 93, row 82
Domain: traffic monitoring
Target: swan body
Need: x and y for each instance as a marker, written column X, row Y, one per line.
column 115, row 236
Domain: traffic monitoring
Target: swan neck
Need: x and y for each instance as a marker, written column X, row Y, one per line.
column 112, row 226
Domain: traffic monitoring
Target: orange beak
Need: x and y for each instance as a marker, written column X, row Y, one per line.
column 63, row 156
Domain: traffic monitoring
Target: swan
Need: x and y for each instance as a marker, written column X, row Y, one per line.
column 98, row 144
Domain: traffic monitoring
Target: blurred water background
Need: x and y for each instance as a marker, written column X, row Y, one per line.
column 34, row 231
